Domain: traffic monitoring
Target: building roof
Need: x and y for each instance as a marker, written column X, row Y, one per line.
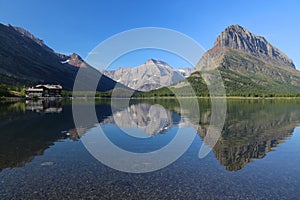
column 34, row 90
column 59, row 87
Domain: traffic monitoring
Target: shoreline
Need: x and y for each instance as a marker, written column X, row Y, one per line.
column 15, row 99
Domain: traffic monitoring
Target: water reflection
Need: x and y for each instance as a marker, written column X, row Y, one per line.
column 252, row 128
column 27, row 134
column 45, row 106
column 153, row 119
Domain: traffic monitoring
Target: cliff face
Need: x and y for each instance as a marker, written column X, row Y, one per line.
column 239, row 38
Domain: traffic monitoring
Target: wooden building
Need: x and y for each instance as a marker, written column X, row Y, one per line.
column 44, row 91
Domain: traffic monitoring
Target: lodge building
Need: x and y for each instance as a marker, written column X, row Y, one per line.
column 44, row 91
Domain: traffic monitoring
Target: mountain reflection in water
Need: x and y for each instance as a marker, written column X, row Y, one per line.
column 251, row 130
column 153, row 119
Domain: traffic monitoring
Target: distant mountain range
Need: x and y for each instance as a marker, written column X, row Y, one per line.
column 249, row 66
column 151, row 75
column 26, row 60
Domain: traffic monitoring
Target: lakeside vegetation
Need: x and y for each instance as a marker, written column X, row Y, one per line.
column 236, row 85
column 240, row 87
column 12, row 91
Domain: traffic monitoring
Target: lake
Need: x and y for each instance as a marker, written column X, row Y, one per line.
column 43, row 155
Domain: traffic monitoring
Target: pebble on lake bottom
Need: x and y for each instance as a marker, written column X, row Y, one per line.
column 47, row 163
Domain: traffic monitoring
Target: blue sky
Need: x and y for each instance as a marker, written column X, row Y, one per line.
column 79, row 26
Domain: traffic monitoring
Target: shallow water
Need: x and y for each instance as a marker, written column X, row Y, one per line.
column 42, row 155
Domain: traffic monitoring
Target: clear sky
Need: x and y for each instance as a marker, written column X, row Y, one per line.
column 78, row 26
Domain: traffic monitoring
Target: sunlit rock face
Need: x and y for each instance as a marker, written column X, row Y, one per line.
column 239, row 43
column 237, row 37
column 151, row 75
column 248, row 63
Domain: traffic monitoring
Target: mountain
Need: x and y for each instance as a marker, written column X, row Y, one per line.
column 249, row 63
column 26, row 60
column 249, row 66
column 151, row 75
column 239, row 38
column 74, row 60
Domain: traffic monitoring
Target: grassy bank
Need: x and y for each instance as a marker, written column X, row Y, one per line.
column 11, row 91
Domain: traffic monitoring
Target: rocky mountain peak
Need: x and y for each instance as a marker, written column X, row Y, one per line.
column 152, row 61
column 75, row 56
column 148, row 76
column 237, row 37
column 76, row 61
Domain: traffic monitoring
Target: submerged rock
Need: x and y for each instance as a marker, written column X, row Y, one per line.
column 47, row 163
